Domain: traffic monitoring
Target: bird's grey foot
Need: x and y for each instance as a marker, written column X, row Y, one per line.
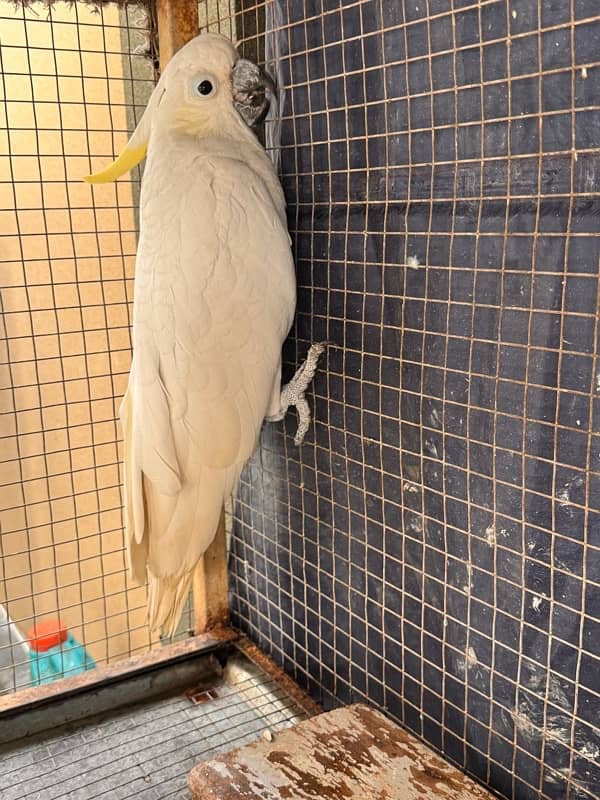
column 293, row 393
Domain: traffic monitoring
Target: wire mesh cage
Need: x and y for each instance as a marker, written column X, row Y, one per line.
column 74, row 81
column 433, row 547
column 146, row 752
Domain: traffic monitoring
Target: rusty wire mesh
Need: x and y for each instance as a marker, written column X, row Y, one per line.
column 73, row 83
column 433, row 548
column 75, row 80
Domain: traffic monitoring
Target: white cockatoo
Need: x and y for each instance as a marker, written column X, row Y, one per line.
column 214, row 300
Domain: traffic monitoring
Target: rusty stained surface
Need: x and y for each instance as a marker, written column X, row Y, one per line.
column 120, row 670
column 289, row 686
column 210, row 585
column 352, row 753
column 177, row 23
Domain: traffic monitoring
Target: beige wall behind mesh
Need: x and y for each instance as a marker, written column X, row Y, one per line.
column 66, row 277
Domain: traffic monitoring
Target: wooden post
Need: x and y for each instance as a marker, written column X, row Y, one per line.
column 211, row 600
column 177, row 22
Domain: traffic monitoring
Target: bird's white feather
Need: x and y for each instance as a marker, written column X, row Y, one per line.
column 214, row 300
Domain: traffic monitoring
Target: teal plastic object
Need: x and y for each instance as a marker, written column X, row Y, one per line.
column 54, row 653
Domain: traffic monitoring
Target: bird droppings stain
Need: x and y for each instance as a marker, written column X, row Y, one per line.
column 431, row 448
column 551, row 776
column 590, row 751
column 434, row 418
column 460, row 665
column 416, row 526
column 584, row 72
column 523, row 724
column 468, row 586
column 555, row 724
column 490, row 535
column 514, row 14
column 564, row 495
column 407, row 486
column 536, row 603
column 472, row 659
column 412, row 262
column 557, row 695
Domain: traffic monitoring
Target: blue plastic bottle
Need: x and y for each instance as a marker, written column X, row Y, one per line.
column 54, row 653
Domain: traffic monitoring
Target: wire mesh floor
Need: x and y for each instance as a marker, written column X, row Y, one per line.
column 147, row 752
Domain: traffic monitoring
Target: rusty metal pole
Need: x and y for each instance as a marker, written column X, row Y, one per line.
column 177, row 22
column 211, row 599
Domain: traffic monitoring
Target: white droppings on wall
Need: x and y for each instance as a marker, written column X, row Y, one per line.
column 564, row 495
column 523, row 724
column 590, row 750
column 431, row 448
column 557, row 695
column 434, row 418
column 416, row 526
column 472, row 659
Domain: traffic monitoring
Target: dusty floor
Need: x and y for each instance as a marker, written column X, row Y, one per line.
column 146, row 753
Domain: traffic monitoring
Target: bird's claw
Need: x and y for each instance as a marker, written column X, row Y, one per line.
column 293, row 393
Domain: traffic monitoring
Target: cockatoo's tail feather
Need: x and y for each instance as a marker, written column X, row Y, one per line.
column 166, row 599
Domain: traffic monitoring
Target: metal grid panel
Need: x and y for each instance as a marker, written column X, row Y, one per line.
column 74, row 81
column 147, row 751
column 433, row 547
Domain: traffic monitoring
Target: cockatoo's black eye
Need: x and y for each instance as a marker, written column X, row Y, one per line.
column 205, row 86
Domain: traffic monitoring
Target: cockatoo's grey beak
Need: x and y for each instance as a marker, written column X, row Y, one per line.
column 252, row 89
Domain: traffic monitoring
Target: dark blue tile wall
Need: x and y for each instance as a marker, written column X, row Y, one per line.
column 433, row 548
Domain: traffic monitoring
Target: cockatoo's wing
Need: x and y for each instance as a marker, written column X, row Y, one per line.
column 214, row 301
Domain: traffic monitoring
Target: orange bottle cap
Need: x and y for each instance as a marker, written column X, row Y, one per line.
column 47, row 634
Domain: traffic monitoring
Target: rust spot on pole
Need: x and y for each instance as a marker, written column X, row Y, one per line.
column 177, row 23
column 211, row 599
